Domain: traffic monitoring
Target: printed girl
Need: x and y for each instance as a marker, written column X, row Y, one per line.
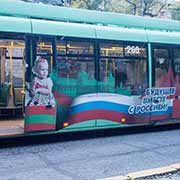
column 41, row 88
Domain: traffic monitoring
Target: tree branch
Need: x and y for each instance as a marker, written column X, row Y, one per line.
column 133, row 4
column 130, row 2
column 156, row 14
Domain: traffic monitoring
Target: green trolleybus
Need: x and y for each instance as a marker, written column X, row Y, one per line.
column 65, row 69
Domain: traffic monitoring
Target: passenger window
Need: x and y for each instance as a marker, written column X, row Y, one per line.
column 162, row 66
column 177, row 61
column 44, row 50
column 79, row 48
column 124, row 70
column 12, row 62
column 176, row 67
column 111, row 50
column 75, row 67
column 72, row 67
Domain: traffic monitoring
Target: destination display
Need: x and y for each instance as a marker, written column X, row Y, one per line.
column 134, row 50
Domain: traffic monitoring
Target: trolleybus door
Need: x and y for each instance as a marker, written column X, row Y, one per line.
column 163, row 84
column 11, row 86
column 40, row 103
column 176, row 82
column 75, row 86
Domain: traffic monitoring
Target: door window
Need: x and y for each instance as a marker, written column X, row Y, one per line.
column 161, row 67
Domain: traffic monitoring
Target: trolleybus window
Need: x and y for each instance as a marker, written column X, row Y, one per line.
column 71, row 67
column 176, row 56
column 75, row 67
column 61, row 47
column 176, row 68
column 79, row 48
column 162, row 65
column 74, row 48
column 44, row 49
column 121, row 74
column 111, row 49
column 12, row 60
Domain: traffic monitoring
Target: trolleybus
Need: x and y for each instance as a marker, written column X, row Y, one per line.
column 65, row 69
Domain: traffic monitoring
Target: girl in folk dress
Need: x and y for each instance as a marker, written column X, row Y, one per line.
column 41, row 88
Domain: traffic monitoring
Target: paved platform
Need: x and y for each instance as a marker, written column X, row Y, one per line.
column 147, row 173
column 11, row 127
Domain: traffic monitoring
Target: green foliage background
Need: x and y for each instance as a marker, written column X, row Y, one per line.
column 150, row 8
